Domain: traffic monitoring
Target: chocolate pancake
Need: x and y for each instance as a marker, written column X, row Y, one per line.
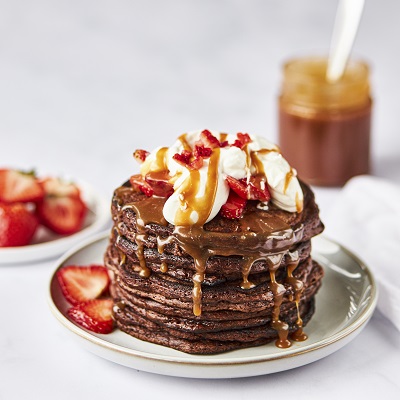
column 229, row 284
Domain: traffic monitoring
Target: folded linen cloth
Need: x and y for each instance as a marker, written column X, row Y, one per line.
column 366, row 219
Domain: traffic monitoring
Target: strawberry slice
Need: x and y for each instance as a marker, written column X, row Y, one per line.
column 62, row 209
column 80, row 284
column 139, row 182
column 63, row 215
column 255, row 189
column 18, row 186
column 94, row 315
column 53, row 186
column 17, row 225
column 159, row 182
column 234, row 206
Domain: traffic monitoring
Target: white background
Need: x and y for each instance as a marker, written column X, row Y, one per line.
column 84, row 83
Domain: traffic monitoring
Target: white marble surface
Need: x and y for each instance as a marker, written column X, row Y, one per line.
column 84, row 83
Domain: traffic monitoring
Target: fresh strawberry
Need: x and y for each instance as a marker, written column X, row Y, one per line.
column 17, row 225
column 63, row 215
column 140, row 155
column 234, row 206
column 18, row 186
column 80, row 284
column 95, row 315
column 53, row 186
column 62, row 209
column 255, row 189
column 183, row 158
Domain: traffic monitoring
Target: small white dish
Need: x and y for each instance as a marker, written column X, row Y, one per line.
column 344, row 305
column 47, row 245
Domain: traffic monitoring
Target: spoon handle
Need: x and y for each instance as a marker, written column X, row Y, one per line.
column 347, row 19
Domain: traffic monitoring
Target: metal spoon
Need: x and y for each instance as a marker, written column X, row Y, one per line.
column 347, row 19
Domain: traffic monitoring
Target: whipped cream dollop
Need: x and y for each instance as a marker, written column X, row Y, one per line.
column 200, row 192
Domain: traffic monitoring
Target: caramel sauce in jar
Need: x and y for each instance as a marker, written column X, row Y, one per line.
column 324, row 128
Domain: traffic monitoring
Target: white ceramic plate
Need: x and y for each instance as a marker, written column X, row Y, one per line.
column 344, row 304
column 46, row 245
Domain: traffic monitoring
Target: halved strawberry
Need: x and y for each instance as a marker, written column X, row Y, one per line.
column 17, row 225
column 255, row 189
column 95, row 315
column 53, row 186
column 79, row 284
column 234, row 206
column 18, row 186
column 62, row 209
column 63, row 215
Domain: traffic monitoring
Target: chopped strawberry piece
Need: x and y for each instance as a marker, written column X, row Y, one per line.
column 18, row 186
column 79, row 284
column 234, row 206
column 209, row 139
column 242, row 140
column 17, row 225
column 255, row 189
column 189, row 161
column 140, row 155
column 139, row 182
column 94, row 315
column 183, row 158
column 201, row 151
column 63, row 215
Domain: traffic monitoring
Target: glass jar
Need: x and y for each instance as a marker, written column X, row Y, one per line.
column 324, row 128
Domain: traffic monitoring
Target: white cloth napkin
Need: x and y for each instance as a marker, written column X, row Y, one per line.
column 366, row 220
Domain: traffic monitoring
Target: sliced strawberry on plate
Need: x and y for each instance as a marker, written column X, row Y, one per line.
column 80, row 284
column 63, row 215
column 234, row 206
column 17, row 225
column 18, row 186
column 95, row 315
column 62, row 209
column 53, row 186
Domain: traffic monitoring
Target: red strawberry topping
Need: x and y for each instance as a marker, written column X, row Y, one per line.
column 242, row 140
column 80, row 284
column 255, row 189
column 209, row 140
column 234, row 206
column 18, row 186
column 17, row 225
column 140, row 155
column 94, row 315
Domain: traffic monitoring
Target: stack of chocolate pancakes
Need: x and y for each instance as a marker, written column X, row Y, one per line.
column 224, row 285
